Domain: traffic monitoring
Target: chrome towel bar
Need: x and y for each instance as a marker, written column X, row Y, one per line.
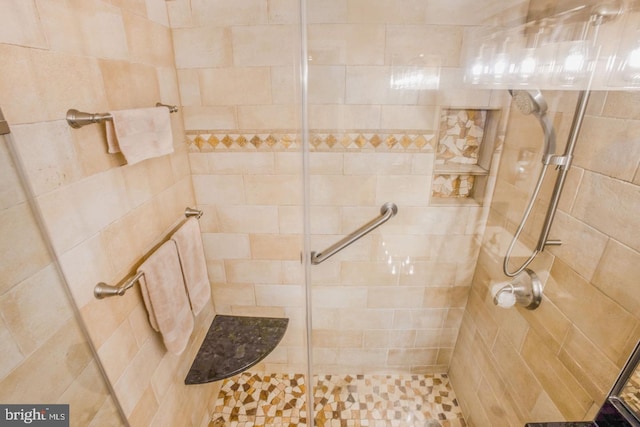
column 387, row 211
column 189, row 212
column 78, row 119
column 102, row 290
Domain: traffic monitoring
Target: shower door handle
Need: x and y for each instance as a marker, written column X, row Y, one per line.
column 387, row 211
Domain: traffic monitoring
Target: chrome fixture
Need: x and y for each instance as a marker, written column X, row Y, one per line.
column 387, row 211
column 103, row 290
column 189, row 212
column 78, row 119
column 563, row 169
column 525, row 290
column 532, row 102
column 576, row 125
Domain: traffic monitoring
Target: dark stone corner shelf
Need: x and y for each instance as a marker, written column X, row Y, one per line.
column 234, row 344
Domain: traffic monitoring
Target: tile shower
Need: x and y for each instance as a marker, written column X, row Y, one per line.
column 408, row 301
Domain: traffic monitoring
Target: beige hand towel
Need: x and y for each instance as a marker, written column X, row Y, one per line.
column 140, row 134
column 164, row 296
column 194, row 266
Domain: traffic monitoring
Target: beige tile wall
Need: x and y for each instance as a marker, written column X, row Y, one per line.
column 41, row 339
column 410, row 279
column 103, row 216
column 398, row 294
column 253, row 240
column 236, row 69
column 237, row 65
column 559, row 361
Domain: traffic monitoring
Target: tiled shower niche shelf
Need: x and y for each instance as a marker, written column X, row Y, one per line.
column 466, row 142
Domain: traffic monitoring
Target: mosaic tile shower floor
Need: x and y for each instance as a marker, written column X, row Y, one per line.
column 254, row 400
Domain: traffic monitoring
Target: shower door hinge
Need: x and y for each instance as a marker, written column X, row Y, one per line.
column 4, row 126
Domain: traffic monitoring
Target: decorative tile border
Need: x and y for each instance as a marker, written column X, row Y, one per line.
column 250, row 400
column 320, row 140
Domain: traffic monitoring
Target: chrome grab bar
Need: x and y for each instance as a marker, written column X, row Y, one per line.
column 387, row 211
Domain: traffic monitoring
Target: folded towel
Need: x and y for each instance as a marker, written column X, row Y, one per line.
column 140, row 134
column 164, row 296
column 194, row 265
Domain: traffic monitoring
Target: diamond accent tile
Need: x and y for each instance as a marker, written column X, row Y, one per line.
column 361, row 141
column 376, row 140
column 283, row 140
column 199, row 141
column 391, row 141
column 346, row 141
column 256, row 141
column 227, row 141
column 316, row 140
column 213, row 141
column 420, row 141
column 241, row 141
column 406, row 141
column 271, row 141
column 286, row 141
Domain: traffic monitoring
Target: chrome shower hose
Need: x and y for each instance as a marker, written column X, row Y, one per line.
column 516, row 236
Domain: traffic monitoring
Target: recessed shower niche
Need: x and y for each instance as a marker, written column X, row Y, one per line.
column 464, row 152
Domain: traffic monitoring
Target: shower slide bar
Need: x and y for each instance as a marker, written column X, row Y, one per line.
column 387, row 211
column 102, row 290
column 78, row 119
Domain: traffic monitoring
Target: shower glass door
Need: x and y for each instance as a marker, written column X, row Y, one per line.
column 44, row 340
column 382, row 96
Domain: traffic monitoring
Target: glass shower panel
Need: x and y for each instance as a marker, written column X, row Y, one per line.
column 43, row 342
column 246, row 156
column 382, row 97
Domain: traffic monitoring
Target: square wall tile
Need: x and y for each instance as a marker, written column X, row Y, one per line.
column 48, row 153
column 22, row 247
column 36, row 309
column 235, row 86
column 346, row 44
column 88, row 28
column 201, row 47
column 20, row 24
column 257, row 45
column 222, row 13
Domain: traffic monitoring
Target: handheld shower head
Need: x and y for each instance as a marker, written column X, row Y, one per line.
column 532, row 102
column 529, row 102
